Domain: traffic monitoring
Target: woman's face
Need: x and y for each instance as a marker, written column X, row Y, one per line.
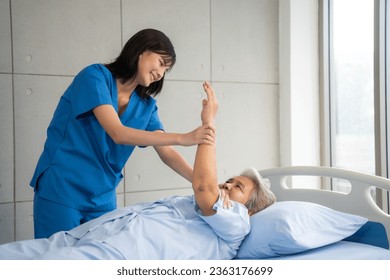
column 239, row 188
column 151, row 68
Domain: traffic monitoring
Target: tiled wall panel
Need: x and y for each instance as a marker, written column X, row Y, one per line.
column 6, row 140
column 245, row 41
column 7, row 222
column 248, row 134
column 61, row 37
column 5, row 38
column 24, row 221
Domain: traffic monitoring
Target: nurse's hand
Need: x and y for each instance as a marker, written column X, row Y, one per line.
column 204, row 134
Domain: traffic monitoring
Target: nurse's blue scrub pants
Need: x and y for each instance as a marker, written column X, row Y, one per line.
column 51, row 217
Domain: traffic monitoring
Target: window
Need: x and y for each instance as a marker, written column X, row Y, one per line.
column 351, row 65
column 353, row 51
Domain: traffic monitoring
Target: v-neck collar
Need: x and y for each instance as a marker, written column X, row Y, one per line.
column 116, row 101
column 129, row 108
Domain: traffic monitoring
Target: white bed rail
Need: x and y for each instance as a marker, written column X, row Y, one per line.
column 358, row 201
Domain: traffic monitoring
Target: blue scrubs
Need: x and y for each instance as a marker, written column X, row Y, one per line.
column 170, row 228
column 81, row 166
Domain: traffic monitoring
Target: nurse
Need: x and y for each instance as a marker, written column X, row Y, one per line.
column 106, row 111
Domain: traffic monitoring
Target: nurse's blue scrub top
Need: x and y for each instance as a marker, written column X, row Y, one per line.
column 81, row 165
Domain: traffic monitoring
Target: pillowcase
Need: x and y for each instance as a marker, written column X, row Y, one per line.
column 372, row 233
column 291, row 227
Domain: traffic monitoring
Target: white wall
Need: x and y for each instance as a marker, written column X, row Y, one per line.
column 299, row 87
column 43, row 44
column 299, row 82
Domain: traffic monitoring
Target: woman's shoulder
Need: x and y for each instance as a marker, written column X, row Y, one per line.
column 95, row 72
column 96, row 68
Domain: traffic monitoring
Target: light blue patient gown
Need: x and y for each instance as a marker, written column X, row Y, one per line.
column 170, row 228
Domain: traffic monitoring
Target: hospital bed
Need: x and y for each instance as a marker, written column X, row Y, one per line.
column 319, row 224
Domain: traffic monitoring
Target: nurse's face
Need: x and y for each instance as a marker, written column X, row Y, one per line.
column 151, row 68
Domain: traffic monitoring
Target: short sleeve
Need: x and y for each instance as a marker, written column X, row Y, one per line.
column 90, row 88
column 155, row 122
column 232, row 224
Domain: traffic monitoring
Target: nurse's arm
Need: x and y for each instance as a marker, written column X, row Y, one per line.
column 175, row 161
column 120, row 134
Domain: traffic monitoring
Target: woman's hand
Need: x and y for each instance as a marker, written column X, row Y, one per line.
column 226, row 200
column 210, row 105
column 204, row 134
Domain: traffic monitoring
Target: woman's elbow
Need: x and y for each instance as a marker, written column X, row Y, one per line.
column 118, row 140
column 202, row 186
column 117, row 136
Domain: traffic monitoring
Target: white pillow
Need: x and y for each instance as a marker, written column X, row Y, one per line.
column 291, row 227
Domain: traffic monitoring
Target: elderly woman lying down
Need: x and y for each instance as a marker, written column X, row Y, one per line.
column 210, row 224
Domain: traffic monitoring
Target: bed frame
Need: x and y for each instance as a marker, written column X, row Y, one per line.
column 358, row 201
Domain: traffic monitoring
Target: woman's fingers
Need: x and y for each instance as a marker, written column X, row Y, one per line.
column 226, row 200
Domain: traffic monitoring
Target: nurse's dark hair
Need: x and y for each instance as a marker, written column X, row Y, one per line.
column 125, row 66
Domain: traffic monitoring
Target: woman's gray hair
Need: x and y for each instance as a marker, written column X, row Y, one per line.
column 262, row 197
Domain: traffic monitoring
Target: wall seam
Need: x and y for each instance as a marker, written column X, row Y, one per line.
column 13, row 119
